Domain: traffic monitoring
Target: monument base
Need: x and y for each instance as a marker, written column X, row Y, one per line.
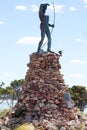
column 44, row 101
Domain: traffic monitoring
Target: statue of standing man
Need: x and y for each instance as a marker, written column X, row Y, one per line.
column 44, row 27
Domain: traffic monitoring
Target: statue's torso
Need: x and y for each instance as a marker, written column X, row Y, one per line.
column 44, row 19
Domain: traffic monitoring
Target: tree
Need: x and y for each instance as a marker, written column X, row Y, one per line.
column 1, row 84
column 11, row 92
column 11, row 96
column 17, row 86
column 17, row 82
column 3, row 91
column 79, row 95
column 7, row 94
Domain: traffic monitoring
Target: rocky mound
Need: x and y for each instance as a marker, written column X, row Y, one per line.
column 45, row 100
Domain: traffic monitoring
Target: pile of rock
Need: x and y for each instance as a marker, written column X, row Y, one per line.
column 42, row 100
column 43, row 92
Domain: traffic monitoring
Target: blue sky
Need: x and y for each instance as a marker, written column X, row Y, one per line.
column 20, row 34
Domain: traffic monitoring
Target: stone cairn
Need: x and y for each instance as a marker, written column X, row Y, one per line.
column 43, row 92
column 43, row 95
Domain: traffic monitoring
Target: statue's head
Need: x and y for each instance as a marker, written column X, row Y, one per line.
column 43, row 8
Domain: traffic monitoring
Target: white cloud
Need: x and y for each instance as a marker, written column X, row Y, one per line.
column 71, row 8
column 2, row 22
column 85, row 6
column 35, row 8
column 58, row 8
column 79, row 40
column 28, row 40
column 78, row 62
column 76, row 76
column 21, row 7
column 85, row 1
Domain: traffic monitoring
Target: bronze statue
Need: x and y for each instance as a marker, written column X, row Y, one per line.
column 44, row 26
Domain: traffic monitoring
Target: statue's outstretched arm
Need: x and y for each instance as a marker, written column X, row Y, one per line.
column 51, row 25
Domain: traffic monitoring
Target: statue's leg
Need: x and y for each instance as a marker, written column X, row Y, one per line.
column 49, row 39
column 41, row 41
